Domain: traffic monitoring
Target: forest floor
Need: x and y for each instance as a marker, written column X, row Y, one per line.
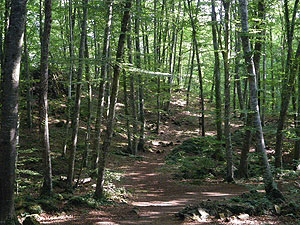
column 155, row 196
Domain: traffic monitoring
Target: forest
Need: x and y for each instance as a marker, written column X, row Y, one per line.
column 149, row 112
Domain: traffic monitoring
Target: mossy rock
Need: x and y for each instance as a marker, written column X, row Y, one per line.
column 197, row 146
column 85, row 200
column 49, row 205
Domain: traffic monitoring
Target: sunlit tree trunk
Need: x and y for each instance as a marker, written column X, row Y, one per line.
column 270, row 186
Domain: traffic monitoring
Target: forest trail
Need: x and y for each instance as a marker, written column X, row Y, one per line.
column 156, row 196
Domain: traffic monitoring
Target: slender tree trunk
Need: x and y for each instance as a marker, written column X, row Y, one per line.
column 270, row 186
column 225, row 52
column 28, row 79
column 103, row 75
column 190, row 78
column 288, row 81
column 297, row 125
column 132, row 97
column 71, row 49
column 76, row 112
column 264, row 90
column 9, row 114
column 156, row 61
column 217, row 75
column 243, row 167
column 272, row 72
column 127, row 114
column 44, row 128
column 141, row 142
column 201, row 96
column 113, row 100
column 89, row 106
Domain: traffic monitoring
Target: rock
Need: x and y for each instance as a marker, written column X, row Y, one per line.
column 170, row 144
column 277, row 209
column 31, row 220
column 243, row 216
column 60, row 124
column 222, row 216
column 202, row 213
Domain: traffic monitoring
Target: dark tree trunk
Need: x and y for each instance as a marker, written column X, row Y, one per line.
column 28, row 79
column 113, row 101
column 76, row 112
column 44, row 128
column 9, row 115
column 140, row 78
column 103, row 75
column 217, row 75
column 288, row 81
column 225, row 52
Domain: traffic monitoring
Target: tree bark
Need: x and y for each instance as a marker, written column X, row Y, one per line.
column 44, row 128
column 140, row 78
column 225, row 53
column 9, row 114
column 270, row 186
column 103, row 75
column 76, row 112
column 113, row 100
column 217, row 75
column 288, row 81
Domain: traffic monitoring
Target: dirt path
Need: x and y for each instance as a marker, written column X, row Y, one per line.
column 156, row 197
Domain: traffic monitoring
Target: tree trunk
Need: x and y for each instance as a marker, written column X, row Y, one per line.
column 217, row 76
column 129, row 143
column 140, row 78
column 113, row 100
column 28, row 79
column 288, row 81
column 103, row 75
column 201, row 119
column 89, row 106
column 132, row 97
column 71, row 49
column 225, row 52
column 270, row 186
column 9, row 114
column 44, row 128
column 76, row 112
column 190, row 77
